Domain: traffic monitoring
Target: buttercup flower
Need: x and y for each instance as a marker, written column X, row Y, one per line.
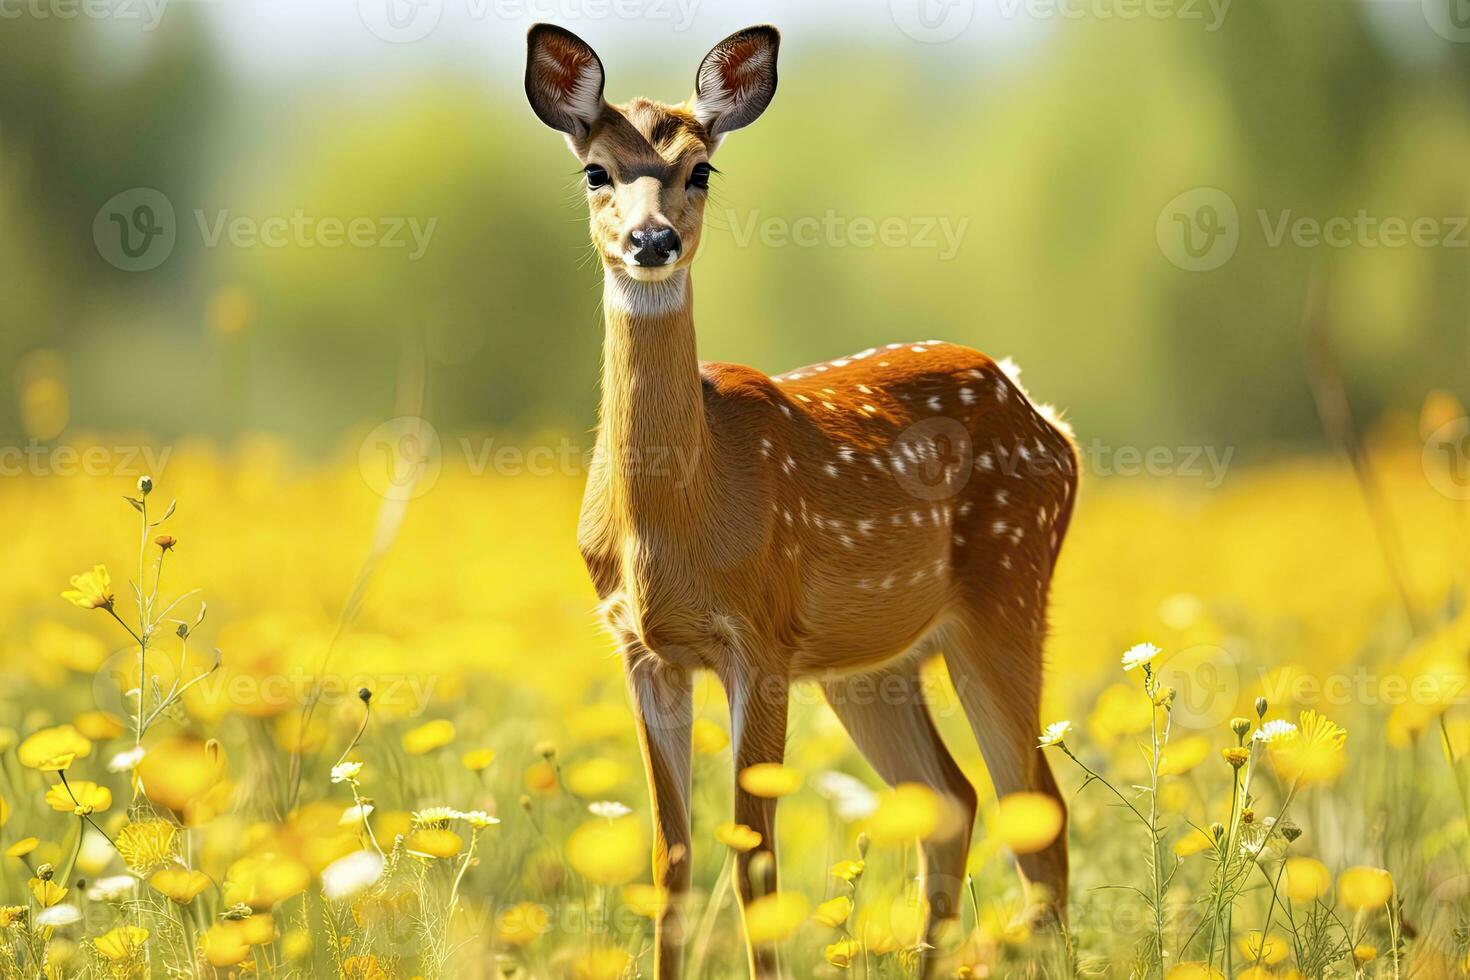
column 477, row 759
column 1140, row 654
column 91, row 590
column 46, row 891
column 22, row 847
column 1315, row 754
column 435, row 842
column 80, row 797
column 428, row 737
column 833, row 912
column 54, row 749
column 147, row 844
column 842, row 954
column 180, row 884
column 120, row 943
column 1364, row 888
column 737, row 836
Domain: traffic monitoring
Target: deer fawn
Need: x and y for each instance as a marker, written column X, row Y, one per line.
column 840, row 523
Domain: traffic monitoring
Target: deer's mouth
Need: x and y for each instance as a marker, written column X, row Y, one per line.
column 649, row 273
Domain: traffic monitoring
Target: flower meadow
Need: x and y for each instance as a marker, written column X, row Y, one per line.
column 260, row 721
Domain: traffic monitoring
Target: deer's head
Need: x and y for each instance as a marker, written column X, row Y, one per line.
column 646, row 163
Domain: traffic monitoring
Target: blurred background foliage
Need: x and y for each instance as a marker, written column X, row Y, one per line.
column 1057, row 140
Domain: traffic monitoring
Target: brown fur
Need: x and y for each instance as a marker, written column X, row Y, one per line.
column 835, row 523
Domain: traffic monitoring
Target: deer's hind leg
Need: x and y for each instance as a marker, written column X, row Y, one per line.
column 887, row 715
column 995, row 663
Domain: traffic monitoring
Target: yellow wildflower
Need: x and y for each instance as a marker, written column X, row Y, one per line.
column 770, row 780
column 80, row 797
column 1364, row 888
column 47, row 892
column 54, row 749
column 522, row 924
column 435, row 842
column 180, row 884
column 121, row 943
column 148, row 844
column 1307, row 879
column 1027, row 822
column 842, row 955
column 773, row 918
column 833, row 912
column 477, row 759
column 428, row 737
column 91, row 590
column 737, row 836
column 608, row 852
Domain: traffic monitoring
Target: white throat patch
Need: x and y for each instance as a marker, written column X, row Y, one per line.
column 661, row 298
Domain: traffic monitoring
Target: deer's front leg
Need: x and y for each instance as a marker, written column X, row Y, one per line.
column 758, row 735
column 663, row 707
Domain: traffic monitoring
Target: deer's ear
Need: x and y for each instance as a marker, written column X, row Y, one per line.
column 736, row 80
column 563, row 80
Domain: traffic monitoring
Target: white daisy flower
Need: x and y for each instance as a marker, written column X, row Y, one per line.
column 1054, row 734
column 611, row 809
column 126, row 761
column 479, row 819
column 1137, row 656
column 434, row 815
column 112, row 888
column 349, row 875
column 1275, row 730
column 355, row 814
column 849, row 796
column 58, row 915
column 346, row 772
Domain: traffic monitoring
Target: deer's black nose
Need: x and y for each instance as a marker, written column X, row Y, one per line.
column 654, row 245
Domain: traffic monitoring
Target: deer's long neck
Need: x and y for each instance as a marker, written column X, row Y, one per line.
column 653, row 430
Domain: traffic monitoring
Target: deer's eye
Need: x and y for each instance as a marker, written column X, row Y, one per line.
column 699, row 176
column 596, row 176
